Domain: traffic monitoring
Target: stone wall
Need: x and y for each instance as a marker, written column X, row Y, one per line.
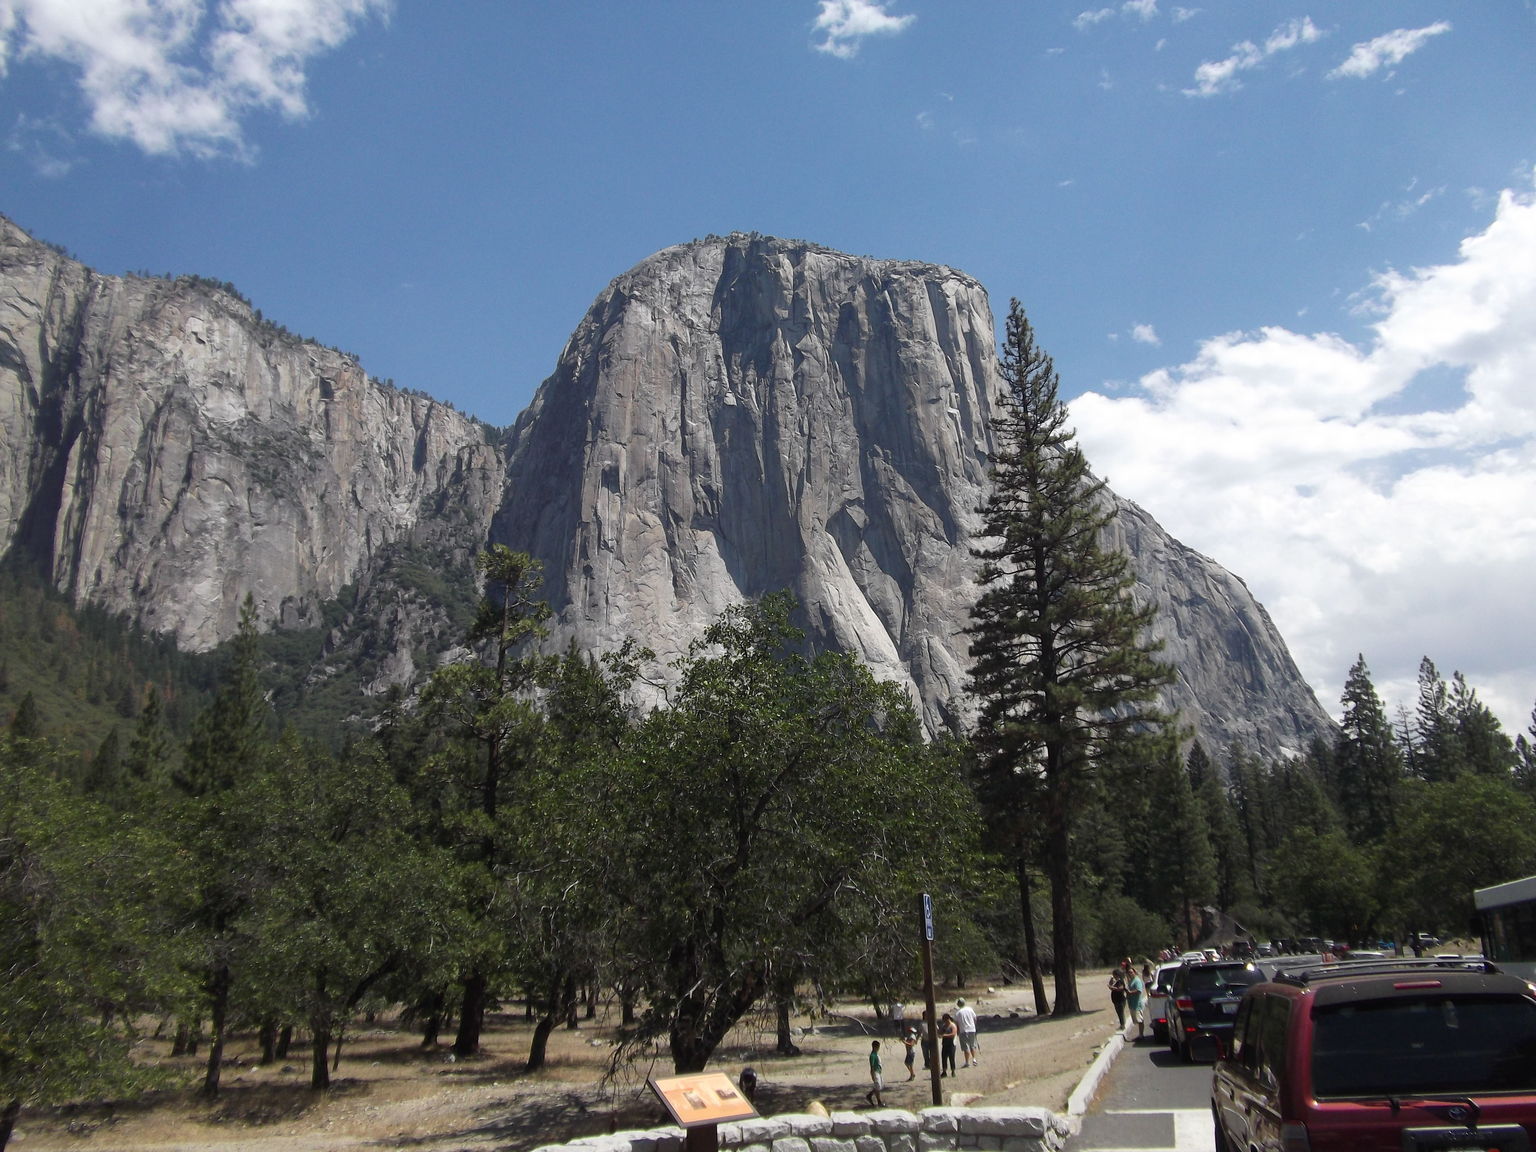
column 881, row 1130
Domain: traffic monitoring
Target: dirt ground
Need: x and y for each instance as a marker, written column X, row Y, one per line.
column 388, row 1093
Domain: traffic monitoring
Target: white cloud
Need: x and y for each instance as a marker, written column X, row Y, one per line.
column 1145, row 334
column 847, row 22
column 1217, row 76
column 1379, row 497
column 1397, row 211
column 1386, row 51
column 179, row 75
column 1182, row 14
column 1143, row 10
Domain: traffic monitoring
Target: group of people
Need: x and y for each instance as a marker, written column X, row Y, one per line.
column 1128, row 993
column 957, row 1027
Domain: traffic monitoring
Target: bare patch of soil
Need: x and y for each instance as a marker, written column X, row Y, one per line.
column 389, row 1093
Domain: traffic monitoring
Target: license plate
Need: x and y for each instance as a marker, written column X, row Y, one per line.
column 1495, row 1137
column 1229, row 1007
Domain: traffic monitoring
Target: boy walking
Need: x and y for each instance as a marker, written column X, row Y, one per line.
column 875, row 1075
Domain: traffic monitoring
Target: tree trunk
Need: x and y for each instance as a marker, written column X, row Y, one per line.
column 471, row 1015
column 626, row 1006
column 268, row 1037
column 284, row 1039
column 218, row 988
column 786, row 1045
column 8, row 1122
column 568, row 998
column 556, row 1006
column 319, row 1066
column 538, row 1050
column 179, row 1046
column 432, row 1017
column 1031, row 947
column 1058, row 851
column 590, row 997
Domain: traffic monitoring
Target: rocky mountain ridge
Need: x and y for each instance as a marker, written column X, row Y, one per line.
column 733, row 416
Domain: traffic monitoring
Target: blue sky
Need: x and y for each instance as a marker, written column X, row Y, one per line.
column 1283, row 255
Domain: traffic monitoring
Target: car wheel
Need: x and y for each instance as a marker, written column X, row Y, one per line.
column 1184, row 1052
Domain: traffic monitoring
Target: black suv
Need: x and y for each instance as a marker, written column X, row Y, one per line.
column 1202, row 1004
column 1380, row 1056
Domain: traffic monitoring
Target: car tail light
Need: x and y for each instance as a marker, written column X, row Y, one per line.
column 1185, row 1003
column 1293, row 1138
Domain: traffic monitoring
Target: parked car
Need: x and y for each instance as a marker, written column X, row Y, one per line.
column 1384, row 1056
column 1157, row 1001
column 1202, row 1004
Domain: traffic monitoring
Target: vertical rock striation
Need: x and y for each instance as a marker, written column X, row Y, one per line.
column 163, row 451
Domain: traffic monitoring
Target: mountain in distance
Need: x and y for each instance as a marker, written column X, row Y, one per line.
column 733, row 416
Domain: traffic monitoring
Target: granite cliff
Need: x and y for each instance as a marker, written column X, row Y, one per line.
column 733, row 416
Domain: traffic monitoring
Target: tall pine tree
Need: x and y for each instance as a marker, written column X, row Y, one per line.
column 1367, row 766
column 1062, row 663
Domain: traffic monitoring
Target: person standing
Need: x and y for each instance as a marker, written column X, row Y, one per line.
column 1136, row 998
column 947, row 1034
column 909, row 1038
column 898, row 1018
column 1117, row 992
column 965, row 1021
column 876, row 1075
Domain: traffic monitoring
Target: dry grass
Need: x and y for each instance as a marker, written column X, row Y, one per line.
column 389, row 1093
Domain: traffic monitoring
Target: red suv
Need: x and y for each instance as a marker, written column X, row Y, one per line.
column 1380, row 1056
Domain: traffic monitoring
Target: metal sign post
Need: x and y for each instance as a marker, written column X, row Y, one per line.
column 930, row 1011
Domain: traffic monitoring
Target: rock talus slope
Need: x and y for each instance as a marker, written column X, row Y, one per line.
column 742, row 414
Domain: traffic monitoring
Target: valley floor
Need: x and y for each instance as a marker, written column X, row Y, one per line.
column 388, row 1093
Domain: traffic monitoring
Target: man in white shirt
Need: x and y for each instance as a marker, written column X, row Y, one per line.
column 965, row 1023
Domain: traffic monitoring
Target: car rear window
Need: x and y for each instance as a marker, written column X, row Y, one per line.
column 1435, row 1043
column 1214, row 979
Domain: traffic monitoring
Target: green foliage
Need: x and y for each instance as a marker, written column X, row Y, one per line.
column 340, row 893
column 1451, row 837
column 1115, row 925
column 87, row 671
column 83, row 934
column 1323, row 883
column 802, row 792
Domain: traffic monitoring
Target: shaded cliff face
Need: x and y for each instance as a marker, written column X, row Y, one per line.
column 163, row 452
column 740, row 415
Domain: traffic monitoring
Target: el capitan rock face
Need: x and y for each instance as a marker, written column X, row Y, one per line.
column 733, row 416
column 744, row 415
column 739, row 415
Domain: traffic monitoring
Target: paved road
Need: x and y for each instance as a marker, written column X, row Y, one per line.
column 1151, row 1101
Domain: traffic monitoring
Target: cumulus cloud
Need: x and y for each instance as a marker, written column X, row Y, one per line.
column 1214, row 77
column 179, row 75
column 1386, row 51
column 1379, row 496
column 1145, row 334
column 846, row 23
column 1086, row 20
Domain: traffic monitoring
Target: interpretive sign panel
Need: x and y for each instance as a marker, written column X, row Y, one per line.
column 702, row 1098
